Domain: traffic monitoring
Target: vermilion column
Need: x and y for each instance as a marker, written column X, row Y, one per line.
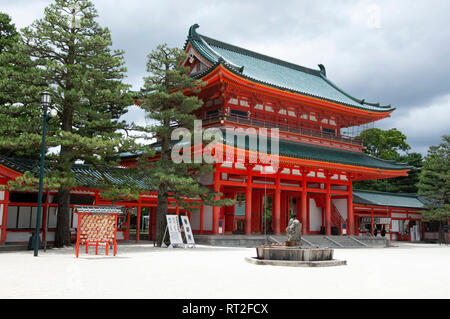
column 276, row 207
column 350, row 218
column 138, row 222
column 304, row 207
column 4, row 218
column 202, row 210
column 328, row 210
column 248, row 207
column 216, row 209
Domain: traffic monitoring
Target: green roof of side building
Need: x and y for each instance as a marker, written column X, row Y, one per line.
column 387, row 199
column 273, row 72
column 85, row 175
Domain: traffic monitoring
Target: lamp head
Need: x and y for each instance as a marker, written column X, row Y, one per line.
column 46, row 98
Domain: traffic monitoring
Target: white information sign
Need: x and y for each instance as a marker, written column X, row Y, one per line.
column 173, row 226
column 188, row 231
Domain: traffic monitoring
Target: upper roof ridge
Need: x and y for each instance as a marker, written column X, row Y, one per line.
column 257, row 55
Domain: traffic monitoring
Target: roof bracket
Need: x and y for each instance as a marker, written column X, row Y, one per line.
column 322, row 69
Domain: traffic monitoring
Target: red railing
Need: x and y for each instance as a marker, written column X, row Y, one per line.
column 336, row 218
column 282, row 126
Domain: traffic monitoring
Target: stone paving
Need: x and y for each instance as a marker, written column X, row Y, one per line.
column 143, row 271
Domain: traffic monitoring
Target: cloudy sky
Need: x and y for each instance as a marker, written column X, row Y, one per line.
column 392, row 52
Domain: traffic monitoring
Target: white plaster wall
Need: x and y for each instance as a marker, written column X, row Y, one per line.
column 12, row 237
column 51, row 217
column 12, row 215
column 315, row 216
column 207, row 217
column 341, row 205
column 24, row 217
column 74, row 220
column 195, row 219
column 395, row 227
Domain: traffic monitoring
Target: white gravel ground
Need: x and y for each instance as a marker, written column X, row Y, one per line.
column 142, row 271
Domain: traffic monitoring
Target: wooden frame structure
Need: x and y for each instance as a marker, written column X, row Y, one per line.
column 96, row 227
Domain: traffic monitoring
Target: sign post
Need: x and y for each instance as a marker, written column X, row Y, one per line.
column 188, row 231
column 173, row 226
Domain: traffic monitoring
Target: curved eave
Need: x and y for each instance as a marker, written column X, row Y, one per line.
column 222, row 68
column 334, row 165
column 10, row 173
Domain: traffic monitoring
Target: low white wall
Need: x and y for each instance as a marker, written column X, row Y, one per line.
column 315, row 216
column 15, row 237
column 195, row 219
column 207, row 217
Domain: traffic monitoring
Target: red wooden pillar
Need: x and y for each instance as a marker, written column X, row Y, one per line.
column 298, row 209
column 44, row 218
column 4, row 224
column 138, row 221
column 350, row 217
column 328, row 208
column 256, row 211
column 276, row 207
column 202, row 209
column 248, row 206
column 216, row 209
column 304, row 205
column 371, row 220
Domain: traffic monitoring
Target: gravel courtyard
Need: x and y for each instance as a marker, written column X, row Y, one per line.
column 142, row 271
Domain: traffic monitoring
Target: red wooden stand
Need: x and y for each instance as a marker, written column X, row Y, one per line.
column 97, row 227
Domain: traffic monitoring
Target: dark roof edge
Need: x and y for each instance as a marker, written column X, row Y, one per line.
column 363, row 102
column 414, row 195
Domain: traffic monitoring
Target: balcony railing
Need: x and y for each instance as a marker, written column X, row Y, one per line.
column 282, row 126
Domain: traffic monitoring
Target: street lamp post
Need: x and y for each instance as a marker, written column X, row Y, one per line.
column 45, row 102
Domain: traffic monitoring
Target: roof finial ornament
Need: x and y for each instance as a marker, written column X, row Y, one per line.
column 322, row 69
column 193, row 33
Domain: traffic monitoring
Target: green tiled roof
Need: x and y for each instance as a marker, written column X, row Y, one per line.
column 313, row 152
column 273, row 72
column 326, row 154
column 387, row 199
column 85, row 175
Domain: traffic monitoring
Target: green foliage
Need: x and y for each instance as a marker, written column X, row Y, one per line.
column 434, row 181
column 8, row 32
column 389, row 145
column 20, row 86
column 169, row 107
column 384, row 144
column 167, row 104
column 84, row 75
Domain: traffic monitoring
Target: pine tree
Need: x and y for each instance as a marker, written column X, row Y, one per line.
column 74, row 59
column 434, row 182
column 169, row 107
column 20, row 87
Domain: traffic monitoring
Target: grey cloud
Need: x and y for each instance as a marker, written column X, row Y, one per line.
column 393, row 52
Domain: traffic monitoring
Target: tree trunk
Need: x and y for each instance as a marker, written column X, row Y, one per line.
column 62, row 235
column 161, row 212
